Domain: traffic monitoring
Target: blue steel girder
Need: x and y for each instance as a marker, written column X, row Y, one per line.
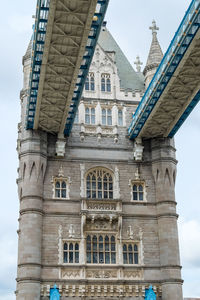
column 175, row 88
column 50, row 67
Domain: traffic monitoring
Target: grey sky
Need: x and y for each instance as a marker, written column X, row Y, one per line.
column 128, row 21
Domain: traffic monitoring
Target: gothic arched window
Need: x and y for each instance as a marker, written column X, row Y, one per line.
column 130, row 254
column 76, row 119
column 71, row 252
column 60, row 188
column 106, row 116
column 90, row 115
column 99, row 184
column 120, row 117
column 101, row 249
column 138, row 192
column 90, row 82
column 105, row 82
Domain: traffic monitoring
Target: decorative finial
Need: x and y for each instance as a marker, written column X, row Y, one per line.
column 154, row 28
column 60, row 172
column 138, row 64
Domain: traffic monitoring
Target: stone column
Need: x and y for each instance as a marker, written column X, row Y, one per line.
column 33, row 161
column 164, row 172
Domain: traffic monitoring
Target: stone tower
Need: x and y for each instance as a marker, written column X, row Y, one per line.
column 100, row 222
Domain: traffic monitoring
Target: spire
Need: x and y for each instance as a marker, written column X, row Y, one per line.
column 27, row 55
column 155, row 55
column 138, row 64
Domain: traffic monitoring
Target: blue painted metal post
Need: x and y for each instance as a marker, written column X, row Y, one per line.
column 54, row 293
column 149, row 294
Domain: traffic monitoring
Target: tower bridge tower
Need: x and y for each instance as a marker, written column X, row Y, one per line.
column 100, row 222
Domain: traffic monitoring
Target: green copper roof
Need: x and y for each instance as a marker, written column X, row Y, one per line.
column 129, row 79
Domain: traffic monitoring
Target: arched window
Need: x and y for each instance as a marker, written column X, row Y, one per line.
column 90, row 115
column 87, row 84
column 103, row 85
column 99, row 184
column 105, row 82
column 108, row 85
column 76, row 119
column 106, row 116
column 138, row 192
column 60, row 188
column 90, row 82
column 120, row 117
column 130, row 254
column 101, row 249
column 71, row 252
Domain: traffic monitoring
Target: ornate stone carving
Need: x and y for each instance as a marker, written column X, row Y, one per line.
column 138, row 64
column 116, row 183
column 101, row 274
column 137, row 174
column 101, row 206
column 130, row 232
column 138, row 149
column 60, row 233
column 82, row 169
column 102, row 291
column 60, row 147
column 135, row 233
column 103, row 225
column 133, row 274
column 68, row 274
column 71, row 231
column 61, row 172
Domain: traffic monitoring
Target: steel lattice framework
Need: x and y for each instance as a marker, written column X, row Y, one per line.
column 175, row 89
column 64, row 39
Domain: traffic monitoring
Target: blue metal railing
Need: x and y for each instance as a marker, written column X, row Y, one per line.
column 38, row 40
column 87, row 58
column 178, row 46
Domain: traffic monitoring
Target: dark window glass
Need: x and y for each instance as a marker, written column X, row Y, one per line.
column 71, row 253
column 92, row 86
column 99, row 184
column 87, row 84
column 103, row 86
column 102, row 249
column 108, row 85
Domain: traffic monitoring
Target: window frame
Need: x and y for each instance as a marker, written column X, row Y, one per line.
column 60, row 180
column 105, row 251
column 131, row 255
column 120, row 117
column 138, row 192
column 106, row 83
column 90, row 113
column 94, row 185
column 90, row 82
column 106, row 115
column 67, row 253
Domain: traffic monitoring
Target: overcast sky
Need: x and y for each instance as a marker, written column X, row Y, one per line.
column 128, row 21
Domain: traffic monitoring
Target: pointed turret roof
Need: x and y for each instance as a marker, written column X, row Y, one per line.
column 129, row 79
column 155, row 54
column 27, row 55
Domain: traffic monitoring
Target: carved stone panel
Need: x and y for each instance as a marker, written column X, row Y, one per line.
column 103, row 225
column 70, row 274
column 133, row 274
column 99, row 274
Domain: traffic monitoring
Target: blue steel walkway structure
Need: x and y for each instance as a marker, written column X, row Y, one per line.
column 175, row 88
column 63, row 43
